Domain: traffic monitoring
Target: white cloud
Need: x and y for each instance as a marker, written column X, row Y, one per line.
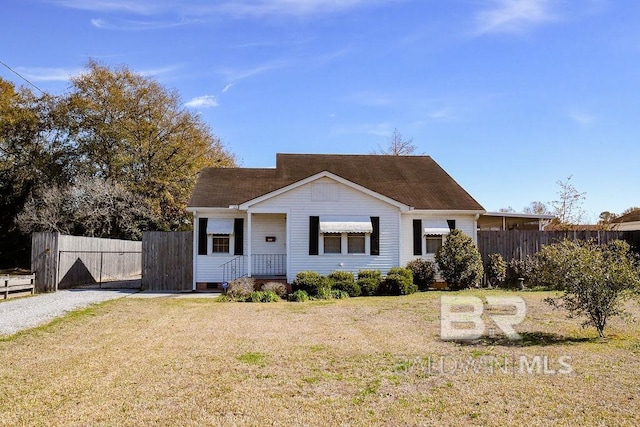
column 237, row 8
column 205, row 101
column 49, row 74
column 290, row 7
column 513, row 16
column 227, row 87
column 441, row 114
column 377, row 129
column 158, row 71
column 125, row 25
column 138, row 7
column 371, row 99
column 582, row 118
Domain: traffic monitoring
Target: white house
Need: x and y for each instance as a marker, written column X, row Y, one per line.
column 323, row 213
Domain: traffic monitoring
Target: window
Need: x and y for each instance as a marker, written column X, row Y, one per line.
column 332, row 243
column 434, row 243
column 355, row 243
column 220, row 244
column 344, row 234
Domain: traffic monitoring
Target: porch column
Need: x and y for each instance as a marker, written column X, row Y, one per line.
column 195, row 248
column 249, row 260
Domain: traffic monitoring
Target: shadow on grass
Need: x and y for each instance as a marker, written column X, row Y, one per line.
column 529, row 339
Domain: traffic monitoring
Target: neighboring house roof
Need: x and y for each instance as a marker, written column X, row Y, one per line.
column 575, row 227
column 632, row 216
column 416, row 181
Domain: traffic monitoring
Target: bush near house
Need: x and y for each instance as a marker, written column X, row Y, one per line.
column 459, row 261
column 311, row 282
column 277, row 287
column 496, row 270
column 399, row 281
column 240, row 289
column 424, row 273
column 344, row 281
column 264, row 296
column 298, row 296
column 369, row 281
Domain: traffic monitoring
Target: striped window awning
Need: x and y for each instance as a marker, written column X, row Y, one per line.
column 220, row 226
column 345, row 224
column 436, row 231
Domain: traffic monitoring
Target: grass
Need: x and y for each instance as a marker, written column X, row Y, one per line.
column 362, row 361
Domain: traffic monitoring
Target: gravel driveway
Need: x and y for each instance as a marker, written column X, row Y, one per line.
column 28, row 312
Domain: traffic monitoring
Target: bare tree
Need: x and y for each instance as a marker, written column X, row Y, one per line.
column 568, row 208
column 508, row 209
column 398, row 146
column 537, row 208
column 90, row 207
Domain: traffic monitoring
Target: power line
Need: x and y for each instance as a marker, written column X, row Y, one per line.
column 22, row 77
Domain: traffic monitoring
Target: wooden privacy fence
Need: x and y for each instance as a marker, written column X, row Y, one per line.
column 519, row 244
column 62, row 261
column 167, row 261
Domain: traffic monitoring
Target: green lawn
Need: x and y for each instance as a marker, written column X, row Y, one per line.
column 362, row 361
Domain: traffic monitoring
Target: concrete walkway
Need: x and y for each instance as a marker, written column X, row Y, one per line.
column 28, row 312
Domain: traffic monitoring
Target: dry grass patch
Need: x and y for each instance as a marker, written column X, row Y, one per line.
column 361, row 361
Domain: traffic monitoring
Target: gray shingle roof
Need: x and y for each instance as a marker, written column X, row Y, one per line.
column 416, row 181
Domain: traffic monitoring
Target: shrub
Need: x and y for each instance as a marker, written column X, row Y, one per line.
column 424, row 273
column 368, row 286
column 596, row 279
column 399, row 281
column 526, row 268
column 339, row 294
column 459, row 261
column 344, row 281
column 311, row 282
column 240, row 289
column 299, row 296
column 324, row 293
column 256, row 296
column 264, row 296
column 369, row 281
column 277, row 287
column 496, row 270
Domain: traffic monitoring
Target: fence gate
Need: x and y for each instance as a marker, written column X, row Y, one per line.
column 97, row 267
column 62, row 261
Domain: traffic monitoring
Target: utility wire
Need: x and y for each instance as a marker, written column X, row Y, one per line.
column 22, row 77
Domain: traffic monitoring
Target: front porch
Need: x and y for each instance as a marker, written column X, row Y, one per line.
column 262, row 266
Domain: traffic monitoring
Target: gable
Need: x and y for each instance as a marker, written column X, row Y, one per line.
column 324, row 187
column 323, row 192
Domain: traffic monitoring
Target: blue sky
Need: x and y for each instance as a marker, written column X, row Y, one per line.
column 509, row 96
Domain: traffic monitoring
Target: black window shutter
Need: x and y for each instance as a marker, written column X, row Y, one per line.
column 202, row 236
column 375, row 236
column 238, row 236
column 314, row 229
column 417, row 237
column 452, row 224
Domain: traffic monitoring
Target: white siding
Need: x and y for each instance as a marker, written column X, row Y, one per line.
column 208, row 266
column 302, row 202
column 263, row 225
column 429, row 220
column 289, row 212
